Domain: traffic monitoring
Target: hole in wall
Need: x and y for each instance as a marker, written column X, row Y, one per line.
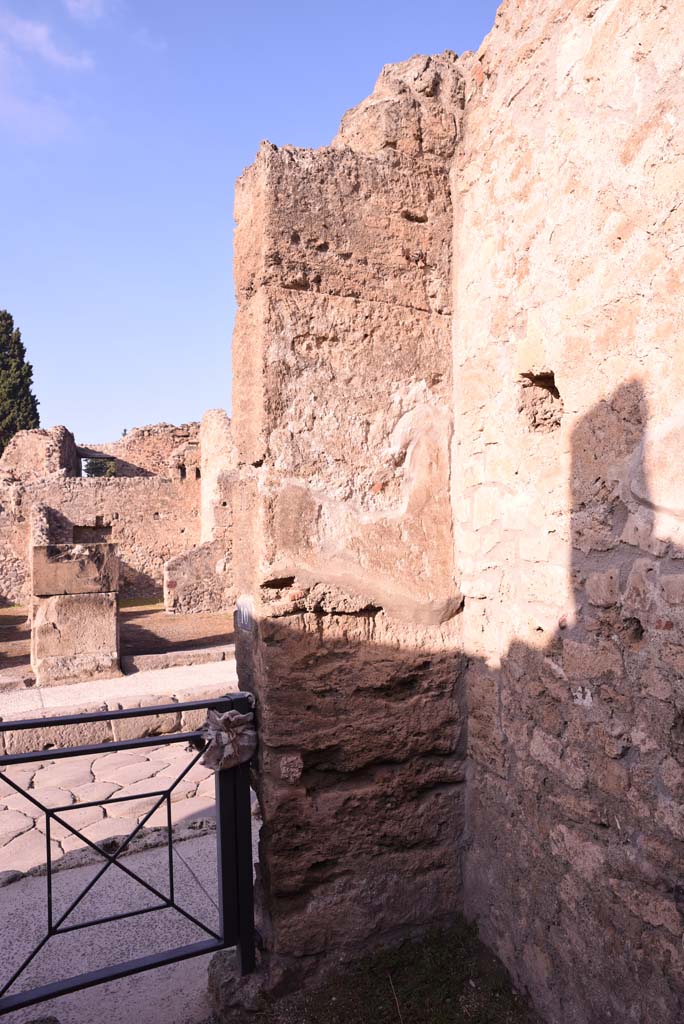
column 546, row 381
column 413, row 217
column 278, row 583
column 183, row 472
column 98, row 534
column 634, row 630
column 198, row 473
column 540, row 402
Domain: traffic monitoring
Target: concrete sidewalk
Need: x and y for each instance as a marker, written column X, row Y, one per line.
column 176, row 994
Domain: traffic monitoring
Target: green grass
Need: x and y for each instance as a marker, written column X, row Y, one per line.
column 448, row 978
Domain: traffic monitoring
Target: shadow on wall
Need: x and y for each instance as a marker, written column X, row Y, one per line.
column 130, row 469
column 138, row 584
column 567, row 843
column 362, row 763
column 574, row 863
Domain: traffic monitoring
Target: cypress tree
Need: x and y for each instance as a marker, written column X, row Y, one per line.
column 18, row 404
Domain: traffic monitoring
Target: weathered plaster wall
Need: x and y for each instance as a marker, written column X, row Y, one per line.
column 343, row 545
column 218, row 460
column 568, row 191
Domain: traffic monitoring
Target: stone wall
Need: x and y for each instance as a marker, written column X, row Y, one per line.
column 152, row 450
column 218, row 461
column 74, row 612
column 343, row 549
column 201, row 580
column 149, row 519
column 35, row 454
column 551, row 418
column 568, row 193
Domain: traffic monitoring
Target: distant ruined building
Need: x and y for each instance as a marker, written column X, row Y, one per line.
column 451, row 511
column 166, row 507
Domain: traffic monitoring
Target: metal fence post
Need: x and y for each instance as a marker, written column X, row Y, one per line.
column 245, row 880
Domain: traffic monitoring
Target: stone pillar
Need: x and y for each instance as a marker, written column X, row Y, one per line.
column 74, row 613
column 347, row 628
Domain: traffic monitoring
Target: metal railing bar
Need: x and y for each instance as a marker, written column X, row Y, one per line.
column 113, row 858
column 110, row 716
column 109, row 800
column 112, row 917
column 57, row 753
column 81, row 981
column 48, row 858
column 110, row 859
column 169, row 841
column 25, row 793
column 245, row 883
column 235, row 896
column 194, row 877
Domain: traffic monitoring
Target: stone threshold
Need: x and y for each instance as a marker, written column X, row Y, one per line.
column 133, row 663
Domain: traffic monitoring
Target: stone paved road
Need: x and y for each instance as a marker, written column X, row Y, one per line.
column 81, row 780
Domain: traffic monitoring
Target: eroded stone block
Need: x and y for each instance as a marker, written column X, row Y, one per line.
column 75, row 569
column 74, row 636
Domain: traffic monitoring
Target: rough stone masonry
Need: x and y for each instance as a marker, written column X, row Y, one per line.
column 458, row 529
column 167, row 508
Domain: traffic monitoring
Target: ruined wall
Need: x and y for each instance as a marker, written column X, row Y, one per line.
column 218, row 459
column 74, row 611
column 566, row 207
column 151, row 450
column 568, row 190
column 35, row 454
column 149, row 519
column 201, row 580
column 343, row 539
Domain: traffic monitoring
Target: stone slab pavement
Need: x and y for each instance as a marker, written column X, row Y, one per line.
column 124, row 775
column 175, row 994
column 170, row 995
column 186, row 682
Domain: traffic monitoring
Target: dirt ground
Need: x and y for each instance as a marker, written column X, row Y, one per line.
column 145, row 629
column 148, row 629
column 449, row 978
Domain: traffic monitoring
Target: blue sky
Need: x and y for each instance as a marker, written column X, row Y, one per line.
column 123, row 126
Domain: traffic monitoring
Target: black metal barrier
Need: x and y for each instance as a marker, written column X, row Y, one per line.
column 234, row 852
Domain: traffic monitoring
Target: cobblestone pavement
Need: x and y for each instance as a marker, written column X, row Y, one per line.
column 74, row 781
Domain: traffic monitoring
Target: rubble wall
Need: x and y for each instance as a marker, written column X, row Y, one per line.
column 568, row 193
column 35, row 454
column 343, row 550
column 149, row 451
column 149, row 518
column 201, row 580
